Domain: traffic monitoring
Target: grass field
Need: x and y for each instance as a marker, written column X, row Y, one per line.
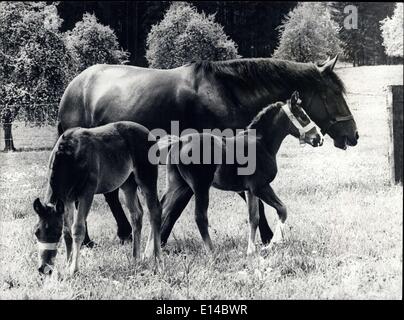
column 344, row 239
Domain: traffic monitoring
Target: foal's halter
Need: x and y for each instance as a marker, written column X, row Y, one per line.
column 302, row 130
column 333, row 119
column 47, row 245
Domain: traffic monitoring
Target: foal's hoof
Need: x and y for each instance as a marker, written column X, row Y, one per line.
column 123, row 240
column 89, row 244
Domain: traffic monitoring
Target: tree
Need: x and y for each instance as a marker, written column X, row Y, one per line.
column 35, row 63
column 308, row 33
column 392, row 32
column 185, row 35
column 92, row 43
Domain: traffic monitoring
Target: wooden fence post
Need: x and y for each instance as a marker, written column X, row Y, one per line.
column 395, row 117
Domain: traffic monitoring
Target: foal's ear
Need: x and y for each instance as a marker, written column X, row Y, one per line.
column 38, row 207
column 60, row 207
column 294, row 99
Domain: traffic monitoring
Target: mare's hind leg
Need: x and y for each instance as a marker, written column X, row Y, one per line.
column 268, row 195
column 253, row 214
column 129, row 189
column 174, row 200
column 265, row 231
column 124, row 227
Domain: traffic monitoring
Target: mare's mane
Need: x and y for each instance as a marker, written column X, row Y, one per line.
column 264, row 72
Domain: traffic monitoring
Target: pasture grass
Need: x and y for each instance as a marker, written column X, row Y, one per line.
column 344, row 237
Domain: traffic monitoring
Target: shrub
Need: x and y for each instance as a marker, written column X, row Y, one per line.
column 92, row 43
column 392, row 32
column 185, row 35
column 308, row 33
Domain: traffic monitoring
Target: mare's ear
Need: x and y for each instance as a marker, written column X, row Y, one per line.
column 329, row 65
column 38, row 207
column 60, row 207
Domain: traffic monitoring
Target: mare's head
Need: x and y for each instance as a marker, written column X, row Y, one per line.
column 48, row 232
column 327, row 107
column 299, row 124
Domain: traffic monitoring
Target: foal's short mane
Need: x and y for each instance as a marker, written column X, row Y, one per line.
column 265, row 115
column 267, row 71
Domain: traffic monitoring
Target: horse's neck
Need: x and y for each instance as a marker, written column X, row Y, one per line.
column 272, row 134
column 269, row 85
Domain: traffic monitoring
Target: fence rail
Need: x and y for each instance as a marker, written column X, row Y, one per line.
column 26, row 136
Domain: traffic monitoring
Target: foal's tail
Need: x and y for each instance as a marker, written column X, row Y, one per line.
column 164, row 145
column 60, row 129
column 166, row 142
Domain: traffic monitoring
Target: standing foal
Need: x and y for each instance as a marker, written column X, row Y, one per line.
column 85, row 162
column 271, row 126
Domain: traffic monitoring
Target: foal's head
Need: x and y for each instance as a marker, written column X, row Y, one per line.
column 48, row 231
column 300, row 125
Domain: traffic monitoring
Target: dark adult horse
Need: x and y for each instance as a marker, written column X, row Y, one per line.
column 224, row 94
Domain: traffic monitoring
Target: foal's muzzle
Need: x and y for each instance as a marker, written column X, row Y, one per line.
column 46, row 254
column 317, row 141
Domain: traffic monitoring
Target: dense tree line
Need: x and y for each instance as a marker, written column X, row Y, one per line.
column 252, row 25
column 364, row 45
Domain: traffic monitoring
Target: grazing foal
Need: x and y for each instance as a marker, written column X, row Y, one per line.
column 271, row 126
column 85, row 162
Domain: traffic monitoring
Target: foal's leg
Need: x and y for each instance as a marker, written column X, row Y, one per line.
column 268, row 195
column 153, row 247
column 129, row 189
column 174, row 200
column 67, row 226
column 124, row 227
column 252, row 203
column 201, row 217
column 79, row 229
column 265, row 231
column 146, row 176
column 87, row 241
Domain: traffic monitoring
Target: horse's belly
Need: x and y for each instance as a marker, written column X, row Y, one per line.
column 227, row 179
column 112, row 177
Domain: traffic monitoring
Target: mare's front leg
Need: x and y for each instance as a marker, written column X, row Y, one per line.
column 268, row 195
column 253, row 214
column 79, row 228
column 124, row 227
